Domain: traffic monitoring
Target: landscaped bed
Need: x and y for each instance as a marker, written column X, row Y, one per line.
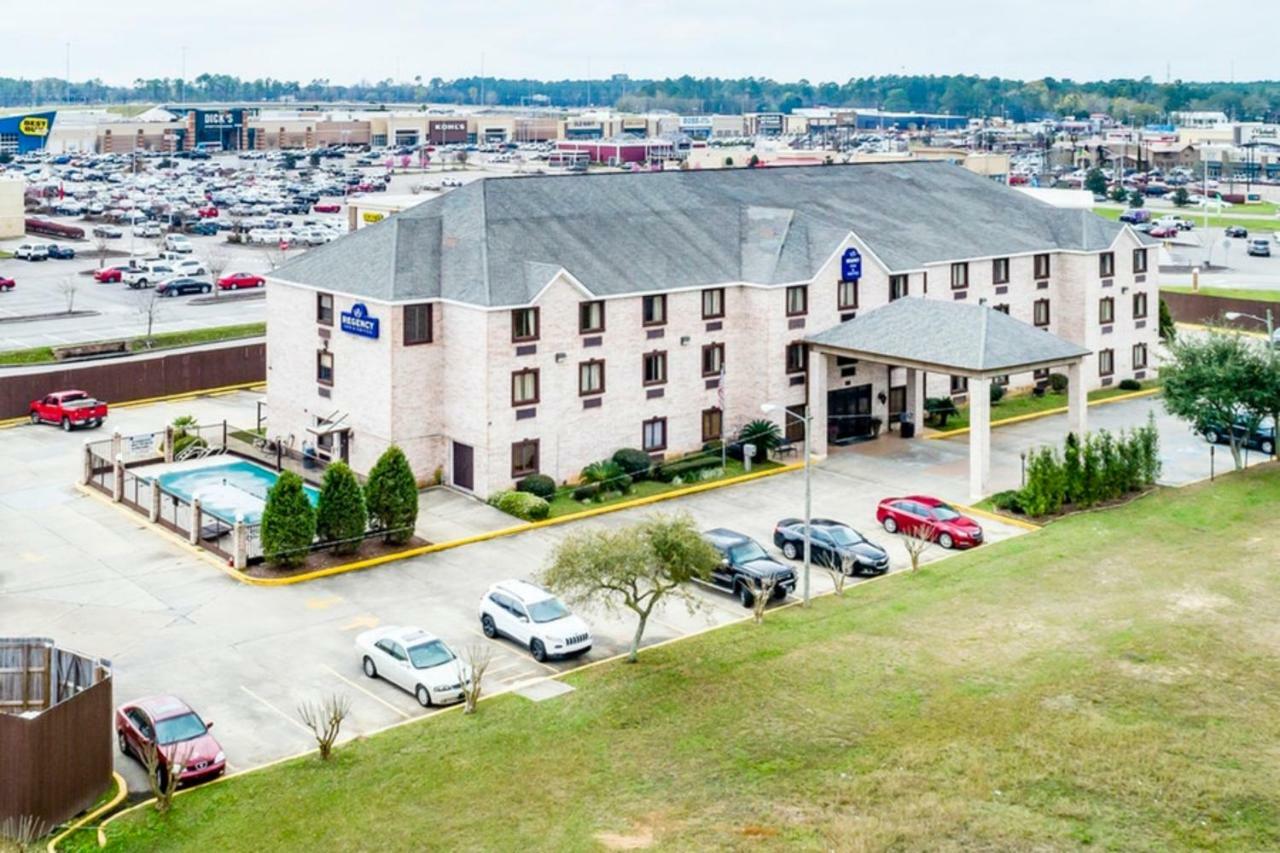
column 165, row 340
column 1026, row 403
column 565, row 504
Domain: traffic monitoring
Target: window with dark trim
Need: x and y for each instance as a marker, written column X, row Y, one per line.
column 524, row 458
column 1106, row 310
column 847, row 295
column 898, row 287
column 524, row 387
column 797, row 300
column 1000, row 271
column 653, row 434
column 1107, row 264
column 590, row 317
column 655, row 367
column 1040, row 312
column 959, row 384
column 417, row 324
column 797, row 358
column 713, row 303
column 1041, row 266
column 1139, row 356
column 1139, row 260
column 1139, row 306
column 712, row 359
column 590, row 377
column 1106, row 362
column 524, row 325
column 654, row 310
column 324, row 309
column 959, row 276
column 324, row 367
column 712, row 424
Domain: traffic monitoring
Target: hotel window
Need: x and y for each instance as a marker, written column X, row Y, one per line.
column 797, row 300
column 959, row 276
column 1139, row 306
column 1106, row 362
column 324, row 309
column 654, row 434
column 524, row 458
column 1042, row 266
column 897, row 287
column 417, row 324
column 1139, row 356
column 712, row 424
column 524, row 387
column 1139, row 260
column 1106, row 311
column 1107, row 264
column 1040, row 312
column 959, row 384
column 1000, row 271
column 655, row 368
column 712, row 359
column 797, row 358
column 654, row 310
column 324, row 367
column 590, row 378
column 713, row 303
column 590, row 317
column 524, row 325
column 847, row 295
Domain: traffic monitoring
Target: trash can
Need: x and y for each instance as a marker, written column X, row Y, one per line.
column 907, row 429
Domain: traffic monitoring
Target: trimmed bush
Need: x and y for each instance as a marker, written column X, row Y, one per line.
column 1009, row 501
column 391, row 496
column 586, row 493
column 341, row 516
column 1058, row 382
column 684, row 467
column 524, row 505
column 634, row 462
column 997, row 392
column 288, row 522
column 496, row 498
column 538, row 484
column 939, row 409
column 1130, row 385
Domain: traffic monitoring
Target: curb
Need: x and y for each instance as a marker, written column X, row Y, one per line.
column 1017, row 419
column 995, row 516
column 122, row 790
column 184, row 395
column 1201, row 327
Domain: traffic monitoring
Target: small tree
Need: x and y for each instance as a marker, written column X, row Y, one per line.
column 69, row 288
column 216, row 263
column 341, row 517
column 460, row 157
column 1208, row 382
column 101, row 243
column 1181, row 198
column 762, row 590
column 147, row 306
column 391, row 496
column 1096, row 182
column 477, row 657
column 917, row 540
column 764, row 434
column 324, row 718
column 632, row 568
column 1119, row 193
column 288, row 522
column 1168, row 330
column 840, row 571
column 163, row 774
column 1072, row 473
column 1137, row 199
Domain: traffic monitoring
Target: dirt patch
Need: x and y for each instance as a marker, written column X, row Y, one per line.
column 368, row 549
column 1197, row 601
column 638, row 840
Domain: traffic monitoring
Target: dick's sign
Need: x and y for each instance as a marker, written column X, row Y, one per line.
column 358, row 322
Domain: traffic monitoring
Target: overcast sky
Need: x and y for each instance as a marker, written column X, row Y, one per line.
column 817, row 40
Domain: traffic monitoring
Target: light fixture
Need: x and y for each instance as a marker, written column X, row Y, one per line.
column 684, row 340
column 560, row 357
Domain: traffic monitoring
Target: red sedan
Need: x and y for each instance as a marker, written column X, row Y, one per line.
column 108, row 274
column 209, row 212
column 326, row 208
column 178, row 734
column 7, row 283
column 1164, row 231
column 944, row 525
column 237, row 280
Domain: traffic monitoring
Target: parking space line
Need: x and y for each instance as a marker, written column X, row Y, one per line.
column 368, row 693
column 277, row 710
column 504, row 648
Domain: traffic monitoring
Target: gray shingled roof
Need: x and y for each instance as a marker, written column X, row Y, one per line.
column 498, row 241
column 962, row 336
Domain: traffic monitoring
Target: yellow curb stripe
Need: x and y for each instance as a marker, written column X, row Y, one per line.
column 185, row 395
column 995, row 516
column 180, row 541
column 122, row 790
column 1200, row 327
column 1017, row 419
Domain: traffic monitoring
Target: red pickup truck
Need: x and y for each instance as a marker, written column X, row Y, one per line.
column 69, row 409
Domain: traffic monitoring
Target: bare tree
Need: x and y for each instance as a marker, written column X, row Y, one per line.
column 164, row 772
column 477, row 657
column 917, row 540
column 216, row 263
column 324, row 718
column 68, row 287
column 839, row 572
column 460, row 157
column 763, row 590
column 275, row 254
column 148, row 308
column 21, row 833
column 101, row 243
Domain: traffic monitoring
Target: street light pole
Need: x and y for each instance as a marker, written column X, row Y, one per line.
column 807, row 420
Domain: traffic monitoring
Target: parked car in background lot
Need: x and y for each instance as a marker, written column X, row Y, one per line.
column 1238, row 231
column 108, row 274
column 69, row 409
column 182, row 286
column 237, row 280
column 1261, row 438
column 178, row 735
column 146, row 229
column 415, row 661
column 7, row 283
column 1135, row 216
column 190, row 266
column 1260, row 248
column 745, row 566
column 147, row 274
column 929, row 515
column 62, row 253
column 326, row 208
column 1164, row 232
column 534, row 618
column 178, row 243
column 32, row 252
column 832, row 544
column 107, row 231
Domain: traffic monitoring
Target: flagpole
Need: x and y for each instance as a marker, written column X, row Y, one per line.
column 724, row 448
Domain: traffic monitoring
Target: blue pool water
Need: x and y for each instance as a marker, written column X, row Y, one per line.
column 228, row 489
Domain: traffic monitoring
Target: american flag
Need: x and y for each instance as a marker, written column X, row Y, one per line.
column 720, row 393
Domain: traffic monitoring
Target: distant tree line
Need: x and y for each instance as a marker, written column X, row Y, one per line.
column 1021, row 100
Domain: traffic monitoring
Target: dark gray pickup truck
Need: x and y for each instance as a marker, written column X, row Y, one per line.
column 744, row 565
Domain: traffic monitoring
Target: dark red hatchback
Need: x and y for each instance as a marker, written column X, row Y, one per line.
column 177, row 731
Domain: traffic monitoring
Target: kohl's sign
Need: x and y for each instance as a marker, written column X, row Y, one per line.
column 358, row 322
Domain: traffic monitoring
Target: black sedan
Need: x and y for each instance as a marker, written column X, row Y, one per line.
column 832, row 544
column 1262, row 437
column 183, row 286
column 62, row 253
column 1237, row 231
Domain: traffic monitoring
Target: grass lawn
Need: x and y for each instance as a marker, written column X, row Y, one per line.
column 1266, row 226
column 1028, row 404
column 1226, row 292
column 38, row 355
column 1108, row 681
column 564, row 504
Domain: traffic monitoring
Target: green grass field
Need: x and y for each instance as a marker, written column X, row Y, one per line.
column 1020, row 404
column 1109, row 682
column 1227, row 292
column 1266, row 227
column 564, row 504
column 39, row 355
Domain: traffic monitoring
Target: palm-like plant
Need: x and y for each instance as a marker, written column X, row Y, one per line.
column 609, row 475
column 764, row 434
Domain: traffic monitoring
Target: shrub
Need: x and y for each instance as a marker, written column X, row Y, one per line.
column 764, row 434
column 1073, row 473
column 1046, row 482
column 683, row 468
column 1009, row 501
column 496, row 498
column 538, row 484
column 1130, row 385
column 524, row 505
column 608, row 475
column 1168, row 330
column 997, row 392
column 586, row 493
column 341, row 516
column 1058, row 382
column 288, row 522
column 940, row 408
column 1149, row 444
column 391, row 496
column 1090, row 473
column 634, row 462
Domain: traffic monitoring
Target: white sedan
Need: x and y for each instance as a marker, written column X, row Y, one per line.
column 415, row 661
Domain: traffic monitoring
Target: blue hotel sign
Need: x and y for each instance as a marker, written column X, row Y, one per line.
column 358, row 322
column 850, row 265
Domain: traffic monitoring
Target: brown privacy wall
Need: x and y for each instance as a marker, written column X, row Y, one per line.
column 57, row 764
column 1198, row 308
column 120, row 380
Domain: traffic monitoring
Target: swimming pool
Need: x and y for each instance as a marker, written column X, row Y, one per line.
column 227, row 489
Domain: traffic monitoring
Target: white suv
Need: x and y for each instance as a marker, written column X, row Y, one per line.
column 534, row 618
column 147, row 275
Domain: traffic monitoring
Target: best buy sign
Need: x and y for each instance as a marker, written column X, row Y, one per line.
column 34, row 126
